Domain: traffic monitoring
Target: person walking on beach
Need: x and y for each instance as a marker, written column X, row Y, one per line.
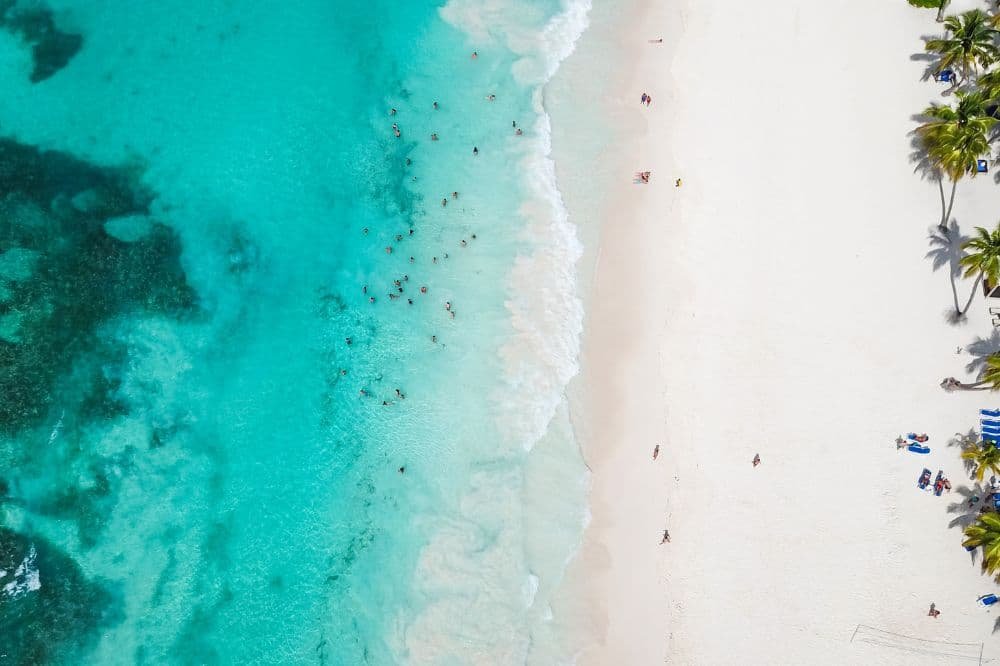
column 643, row 100
column 933, row 612
column 649, row 100
column 656, row 451
column 666, row 537
column 756, row 459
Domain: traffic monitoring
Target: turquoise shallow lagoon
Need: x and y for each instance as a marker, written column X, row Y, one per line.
column 214, row 446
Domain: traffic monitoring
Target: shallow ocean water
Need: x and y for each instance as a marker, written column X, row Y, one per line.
column 195, row 464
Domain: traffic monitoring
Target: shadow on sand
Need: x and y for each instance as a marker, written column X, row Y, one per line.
column 946, row 250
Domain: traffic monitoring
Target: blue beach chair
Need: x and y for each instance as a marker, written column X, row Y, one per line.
column 987, row 600
column 945, row 76
column 989, row 423
column 991, row 438
column 919, row 448
column 924, row 479
column 995, row 413
column 981, row 166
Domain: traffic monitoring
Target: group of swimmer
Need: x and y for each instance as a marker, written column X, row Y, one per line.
column 397, row 290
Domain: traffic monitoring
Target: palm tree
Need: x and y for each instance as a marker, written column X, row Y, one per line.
column 969, row 43
column 982, row 260
column 985, row 532
column 989, row 378
column 954, row 138
column 986, row 457
column 989, row 84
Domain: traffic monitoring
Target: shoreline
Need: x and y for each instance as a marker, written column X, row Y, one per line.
column 633, row 137
column 781, row 302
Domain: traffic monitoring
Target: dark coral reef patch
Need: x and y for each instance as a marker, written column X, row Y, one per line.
column 51, row 48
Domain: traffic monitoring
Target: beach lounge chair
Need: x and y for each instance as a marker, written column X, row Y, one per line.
column 945, row 76
column 924, row 479
column 996, row 501
column 981, row 166
column 920, row 448
column 987, row 600
column 992, row 438
column 989, row 423
column 995, row 413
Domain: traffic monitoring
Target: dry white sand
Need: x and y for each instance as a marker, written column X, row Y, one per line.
column 782, row 302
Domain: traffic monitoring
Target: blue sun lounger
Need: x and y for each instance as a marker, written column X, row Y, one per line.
column 992, row 438
column 981, row 166
column 924, row 479
column 945, row 76
column 995, row 413
column 989, row 423
column 919, row 448
column 987, row 600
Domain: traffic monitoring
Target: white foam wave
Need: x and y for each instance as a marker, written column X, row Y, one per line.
column 475, row 560
column 57, row 428
column 25, row 577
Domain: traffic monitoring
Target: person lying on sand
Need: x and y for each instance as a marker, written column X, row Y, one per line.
column 756, row 459
column 656, row 451
column 933, row 612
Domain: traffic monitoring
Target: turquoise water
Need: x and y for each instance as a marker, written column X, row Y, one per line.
column 214, row 447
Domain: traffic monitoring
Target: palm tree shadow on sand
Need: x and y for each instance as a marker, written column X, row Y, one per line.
column 980, row 349
column 946, row 250
column 922, row 164
column 964, row 512
column 931, row 60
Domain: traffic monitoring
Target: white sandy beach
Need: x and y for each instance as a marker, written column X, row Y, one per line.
column 782, row 302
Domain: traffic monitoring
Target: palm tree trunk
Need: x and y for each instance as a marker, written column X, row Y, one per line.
column 951, row 204
column 940, row 14
column 971, row 296
column 941, row 224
